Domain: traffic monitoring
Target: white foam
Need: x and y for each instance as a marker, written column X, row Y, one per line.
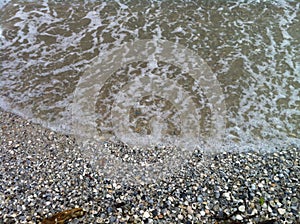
column 262, row 95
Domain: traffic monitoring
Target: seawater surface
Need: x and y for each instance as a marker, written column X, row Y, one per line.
column 252, row 47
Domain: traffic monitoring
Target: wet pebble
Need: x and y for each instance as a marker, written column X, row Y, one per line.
column 43, row 172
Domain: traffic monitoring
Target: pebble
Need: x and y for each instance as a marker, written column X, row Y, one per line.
column 146, row 215
column 260, row 185
column 242, row 208
column 40, row 176
column 199, row 199
column 180, row 217
column 239, row 217
column 272, row 204
column 227, row 195
column 281, row 211
column 270, row 209
column 190, row 210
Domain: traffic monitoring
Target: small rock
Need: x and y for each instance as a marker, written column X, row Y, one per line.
column 239, row 217
column 199, row 199
column 216, row 207
column 242, row 208
column 112, row 219
column 14, row 215
column 281, row 211
column 170, row 199
column 278, row 204
column 272, row 204
column 146, row 215
column 180, row 217
column 260, row 185
column 254, row 212
column 190, row 210
column 16, row 146
column 270, row 209
column 99, row 220
column 108, row 196
column 160, row 216
column 227, row 195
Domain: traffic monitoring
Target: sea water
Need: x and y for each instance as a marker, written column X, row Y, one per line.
column 246, row 88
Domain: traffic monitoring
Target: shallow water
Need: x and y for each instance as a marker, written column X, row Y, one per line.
column 252, row 49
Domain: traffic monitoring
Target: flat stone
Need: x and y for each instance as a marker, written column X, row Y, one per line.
column 281, row 211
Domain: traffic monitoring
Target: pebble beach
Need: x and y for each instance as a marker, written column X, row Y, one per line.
column 43, row 173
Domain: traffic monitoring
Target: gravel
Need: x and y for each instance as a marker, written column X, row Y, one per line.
column 43, row 172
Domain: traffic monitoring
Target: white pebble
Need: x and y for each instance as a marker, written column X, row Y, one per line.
column 281, row 211
column 254, row 212
column 178, row 30
column 14, row 215
column 170, row 199
column 260, row 185
column 227, row 195
column 108, row 196
column 180, row 217
column 48, row 203
column 146, row 215
column 242, row 208
column 270, row 209
column 239, row 217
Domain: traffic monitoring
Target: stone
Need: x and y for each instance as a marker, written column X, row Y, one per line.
column 281, row 211
column 146, row 215
column 260, row 185
column 270, row 209
column 180, row 217
column 227, row 195
column 242, row 208
column 239, row 217
column 272, row 203
column 189, row 210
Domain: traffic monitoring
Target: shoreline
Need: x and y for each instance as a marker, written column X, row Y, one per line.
column 43, row 172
